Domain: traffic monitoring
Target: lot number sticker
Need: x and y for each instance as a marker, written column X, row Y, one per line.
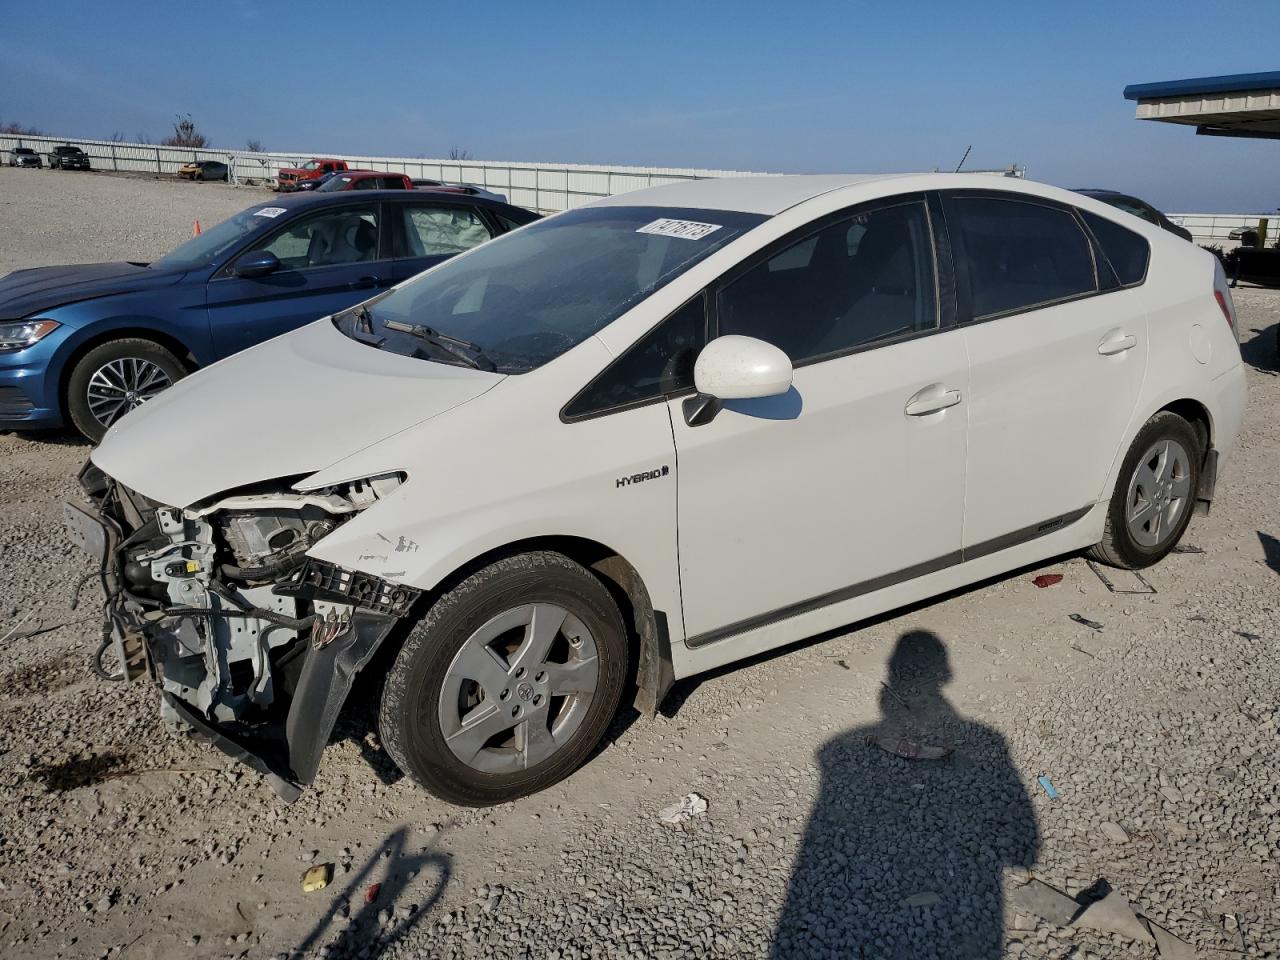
column 269, row 212
column 683, row 229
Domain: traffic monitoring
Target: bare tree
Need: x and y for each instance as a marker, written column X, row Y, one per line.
column 185, row 133
column 20, row 129
column 253, row 146
column 117, row 136
column 458, row 153
column 142, row 138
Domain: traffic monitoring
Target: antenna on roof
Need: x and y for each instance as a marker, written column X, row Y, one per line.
column 964, row 158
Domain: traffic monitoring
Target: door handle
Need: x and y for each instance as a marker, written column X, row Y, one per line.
column 1117, row 341
column 363, row 283
column 931, row 399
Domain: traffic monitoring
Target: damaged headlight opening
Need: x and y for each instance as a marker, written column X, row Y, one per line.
column 221, row 606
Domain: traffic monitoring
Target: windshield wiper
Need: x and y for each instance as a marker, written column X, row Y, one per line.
column 453, row 346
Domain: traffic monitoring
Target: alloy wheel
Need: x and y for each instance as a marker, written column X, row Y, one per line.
column 122, row 385
column 519, row 688
column 1159, row 493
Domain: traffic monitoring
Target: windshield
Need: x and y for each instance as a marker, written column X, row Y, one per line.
column 527, row 297
column 204, row 250
column 310, row 165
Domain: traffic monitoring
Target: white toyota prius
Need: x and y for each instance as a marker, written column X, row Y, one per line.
column 644, row 438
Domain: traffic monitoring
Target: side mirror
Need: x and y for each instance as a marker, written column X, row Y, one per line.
column 256, row 263
column 740, row 368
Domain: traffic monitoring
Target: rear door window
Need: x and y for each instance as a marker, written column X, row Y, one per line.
column 433, row 230
column 1127, row 251
column 1020, row 254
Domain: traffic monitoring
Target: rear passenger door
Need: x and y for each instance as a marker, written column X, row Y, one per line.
column 1057, row 347
column 329, row 260
column 430, row 232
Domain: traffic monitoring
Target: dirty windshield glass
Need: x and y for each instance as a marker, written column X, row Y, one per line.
column 517, row 302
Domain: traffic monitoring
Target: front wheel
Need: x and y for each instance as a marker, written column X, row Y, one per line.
column 1154, row 495
column 508, row 683
column 114, row 378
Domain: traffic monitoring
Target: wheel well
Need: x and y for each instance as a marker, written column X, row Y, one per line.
column 172, row 344
column 1196, row 414
column 647, row 634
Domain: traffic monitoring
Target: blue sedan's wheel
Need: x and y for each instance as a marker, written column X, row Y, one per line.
column 116, row 377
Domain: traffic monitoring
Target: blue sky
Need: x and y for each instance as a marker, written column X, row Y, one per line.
column 803, row 87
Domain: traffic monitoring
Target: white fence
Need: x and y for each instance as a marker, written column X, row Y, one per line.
column 545, row 187
column 1215, row 228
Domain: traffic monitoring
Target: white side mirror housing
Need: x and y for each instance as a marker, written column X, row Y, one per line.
column 733, row 367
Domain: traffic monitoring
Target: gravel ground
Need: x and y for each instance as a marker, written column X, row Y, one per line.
column 1158, row 734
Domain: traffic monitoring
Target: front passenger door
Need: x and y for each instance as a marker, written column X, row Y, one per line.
column 329, row 260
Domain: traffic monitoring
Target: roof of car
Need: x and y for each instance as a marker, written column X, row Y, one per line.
column 764, row 194
column 304, row 198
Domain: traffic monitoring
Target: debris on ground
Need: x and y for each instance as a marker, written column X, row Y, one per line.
column 1187, row 548
column 317, row 877
column 1114, row 832
column 1085, row 621
column 908, row 749
column 371, row 892
column 1047, row 579
column 1168, row 946
column 1144, row 585
column 1079, row 649
column 1113, row 914
column 688, row 807
column 1047, row 784
column 1046, row 902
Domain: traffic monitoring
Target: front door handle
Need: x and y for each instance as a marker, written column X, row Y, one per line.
column 1117, row 341
column 364, row 283
column 931, row 399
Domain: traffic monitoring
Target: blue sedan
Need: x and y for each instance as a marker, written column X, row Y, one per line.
column 85, row 344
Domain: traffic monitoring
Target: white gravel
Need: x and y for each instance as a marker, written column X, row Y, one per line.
column 1158, row 733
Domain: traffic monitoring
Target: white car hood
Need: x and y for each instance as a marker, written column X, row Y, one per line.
column 286, row 407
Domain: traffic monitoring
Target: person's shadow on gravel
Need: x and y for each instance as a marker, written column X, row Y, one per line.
column 903, row 858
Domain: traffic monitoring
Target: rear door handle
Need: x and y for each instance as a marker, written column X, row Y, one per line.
column 363, row 283
column 931, row 399
column 1117, row 341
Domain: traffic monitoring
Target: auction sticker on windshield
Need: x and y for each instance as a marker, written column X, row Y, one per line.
column 269, row 212
column 684, row 229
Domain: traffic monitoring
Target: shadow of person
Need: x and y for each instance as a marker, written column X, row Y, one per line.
column 902, row 858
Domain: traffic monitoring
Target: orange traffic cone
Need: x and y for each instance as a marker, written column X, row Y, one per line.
column 195, row 231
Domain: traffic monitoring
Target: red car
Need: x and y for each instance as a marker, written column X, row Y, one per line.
column 365, row 180
column 289, row 177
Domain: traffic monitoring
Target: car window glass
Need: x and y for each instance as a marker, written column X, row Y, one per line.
column 507, row 223
column 367, row 183
column 349, row 235
column 436, row 230
column 1127, row 251
column 658, row 365
column 1021, row 254
column 827, row 298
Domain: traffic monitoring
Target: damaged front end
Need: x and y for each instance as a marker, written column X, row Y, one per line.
column 252, row 643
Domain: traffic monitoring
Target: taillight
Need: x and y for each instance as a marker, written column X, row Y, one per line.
column 1225, row 305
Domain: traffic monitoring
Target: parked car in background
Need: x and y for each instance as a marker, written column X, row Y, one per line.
column 289, row 177
column 24, row 157
column 86, row 343
column 203, row 170
column 317, row 182
column 645, row 438
column 1139, row 208
column 365, row 180
column 67, row 157
column 467, row 188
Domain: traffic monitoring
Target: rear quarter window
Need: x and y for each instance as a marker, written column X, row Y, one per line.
column 1128, row 252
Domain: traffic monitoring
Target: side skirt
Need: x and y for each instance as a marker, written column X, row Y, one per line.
column 915, row 572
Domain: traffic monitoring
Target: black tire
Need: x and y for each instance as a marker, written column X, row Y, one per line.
column 409, row 713
column 1118, row 547
column 77, row 400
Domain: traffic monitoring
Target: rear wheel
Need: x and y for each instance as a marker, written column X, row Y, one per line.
column 116, row 377
column 508, row 683
column 1155, row 492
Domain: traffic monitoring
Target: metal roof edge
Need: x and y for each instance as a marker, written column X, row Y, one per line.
column 1199, row 86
